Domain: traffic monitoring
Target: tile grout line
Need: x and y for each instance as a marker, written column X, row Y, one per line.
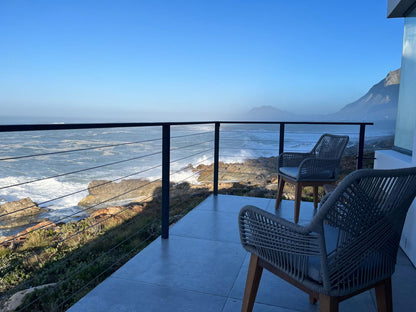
column 169, row 287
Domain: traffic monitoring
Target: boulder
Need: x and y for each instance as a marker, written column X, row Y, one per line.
column 19, row 213
column 104, row 193
column 16, row 300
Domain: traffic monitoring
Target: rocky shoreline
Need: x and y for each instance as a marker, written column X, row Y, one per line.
column 253, row 177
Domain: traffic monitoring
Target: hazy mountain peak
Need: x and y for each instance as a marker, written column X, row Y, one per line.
column 378, row 105
column 393, row 78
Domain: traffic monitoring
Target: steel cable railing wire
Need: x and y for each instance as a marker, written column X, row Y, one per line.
column 79, row 149
column 80, row 191
column 83, row 210
column 126, row 255
column 69, row 237
column 119, row 194
column 192, row 175
column 88, row 208
column 73, row 193
column 102, row 272
column 191, row 145
column 225, row 132
column 185, row 168
column 97, row 223
column 91, row 263
column 189, row 135
column 79, row 251
column 253, row 149
column 79, row 171
column 189, row 156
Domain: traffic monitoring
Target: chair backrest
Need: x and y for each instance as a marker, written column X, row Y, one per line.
column 367, row 210
column 330, row 146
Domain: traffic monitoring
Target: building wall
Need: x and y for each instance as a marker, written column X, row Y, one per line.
column 405, row 136
column 406, row 115
column 388, row 159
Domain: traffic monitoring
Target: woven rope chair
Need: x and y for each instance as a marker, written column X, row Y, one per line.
column 318, row 167
column 348, row 247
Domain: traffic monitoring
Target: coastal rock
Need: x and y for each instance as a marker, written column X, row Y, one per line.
column 18, row 213
column 104, row 193
column 260, row 171
column 17, row 299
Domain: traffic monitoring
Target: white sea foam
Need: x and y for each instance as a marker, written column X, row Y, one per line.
column 43, row 191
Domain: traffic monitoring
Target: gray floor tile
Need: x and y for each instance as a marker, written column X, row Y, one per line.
column 188, row 263
column 273, row 291
column 232, row 204
column 404, row 286
column 118, row 295
column 202, row 267
column 212, row 225
column 234, row 305
column 402, row 259
column 360, row 303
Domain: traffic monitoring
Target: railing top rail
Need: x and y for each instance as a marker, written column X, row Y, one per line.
column 300, row 122
column 74, row 126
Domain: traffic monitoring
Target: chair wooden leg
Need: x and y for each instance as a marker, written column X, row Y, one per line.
column 298, row 198
column 252, row 284
column 313, row 299
column 315, row 196
column 281, row 184
column 384, row 296
column 328, row 304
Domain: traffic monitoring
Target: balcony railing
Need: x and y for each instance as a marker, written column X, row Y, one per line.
column 167, row 148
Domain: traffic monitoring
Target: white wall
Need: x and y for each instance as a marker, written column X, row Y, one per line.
column 388, row 159
column 406, row 111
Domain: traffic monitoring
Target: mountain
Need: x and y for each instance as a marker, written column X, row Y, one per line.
column 268, row 112
column 379, row 103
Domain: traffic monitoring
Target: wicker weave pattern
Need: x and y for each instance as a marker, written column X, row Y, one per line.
column 322, row 163
column 284, row 244
column 367, row 211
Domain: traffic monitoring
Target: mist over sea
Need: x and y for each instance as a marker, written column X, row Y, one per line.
column 133, row 153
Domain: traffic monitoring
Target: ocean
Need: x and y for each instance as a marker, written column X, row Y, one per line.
column 48, row 166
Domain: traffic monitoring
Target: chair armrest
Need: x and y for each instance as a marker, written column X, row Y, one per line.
column 318, row 168
column 289, row 159
column 265, row 235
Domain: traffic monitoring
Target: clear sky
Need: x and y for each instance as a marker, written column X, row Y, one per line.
column 141, row 60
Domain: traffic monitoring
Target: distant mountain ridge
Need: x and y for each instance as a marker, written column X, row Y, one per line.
column 379, row 104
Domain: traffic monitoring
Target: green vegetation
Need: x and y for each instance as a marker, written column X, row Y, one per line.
column 75, row 257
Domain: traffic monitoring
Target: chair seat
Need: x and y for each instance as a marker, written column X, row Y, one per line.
column 290, row 171
column 314, row 264
column 293, row 172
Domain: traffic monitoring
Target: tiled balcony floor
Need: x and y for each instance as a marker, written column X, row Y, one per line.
column 202, row 267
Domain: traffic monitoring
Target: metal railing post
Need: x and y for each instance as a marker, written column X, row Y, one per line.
column 281, row 138
column 165, row 179
column 360, row 154
column 216, row 157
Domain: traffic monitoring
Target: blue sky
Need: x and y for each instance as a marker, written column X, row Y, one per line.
column 160, row 60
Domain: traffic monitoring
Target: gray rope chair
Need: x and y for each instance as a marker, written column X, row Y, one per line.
column 318, row 167
column 348, row 247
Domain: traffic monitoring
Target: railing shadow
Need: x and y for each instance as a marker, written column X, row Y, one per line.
column 70, row 259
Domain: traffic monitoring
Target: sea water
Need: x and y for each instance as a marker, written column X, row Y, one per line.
column 63, row 162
